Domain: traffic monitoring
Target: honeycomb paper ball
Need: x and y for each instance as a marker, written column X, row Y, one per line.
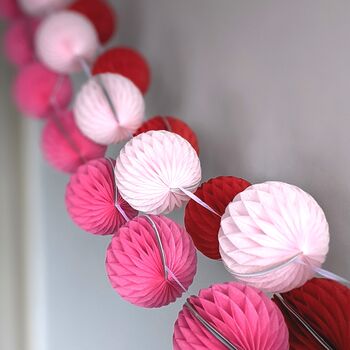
column 19, row 41
column 64, row 146
column 126, row 62
column 91, row 196
column 203, row 225
column 42, row 7
column 135, row 267
column 65, row 38
column 151, row 169
column 101, row 15
column 325, row 305
column 267, row 225
column 171, row 124
column 34, row 88
column 9, row 9
column 243, row 315
column 93, row 112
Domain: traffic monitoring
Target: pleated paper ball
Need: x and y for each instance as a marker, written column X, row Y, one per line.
column 101, row 15
column 9, row 9
column 171, row 124
column 42, row 7
column 91, row 199
column 64, row 39
column 266, row 227
column 34, row 88
column 64, row 146
column 111, row 119
column 126, row 62
column 19, row 41
column 325, row 305
column 135, row 267
column 241, row 314
column 153, row 167
column 202, row 224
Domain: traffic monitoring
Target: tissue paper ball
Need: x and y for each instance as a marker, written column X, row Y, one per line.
column 18, row 41
column 93, row 112
column 134, row 261
column 325, row 305
column 126, row 62
column 267, row 225
column 90, row 199
column 42, row 7
column 65, row 38
column 101, row 15
column 203, row 225
column 245, row 316
column 170, row 124
column 151, row 169
column 34, row 88
column 64, row 146
column 9, row 9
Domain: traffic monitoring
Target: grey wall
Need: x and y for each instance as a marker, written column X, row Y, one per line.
column 266, row 85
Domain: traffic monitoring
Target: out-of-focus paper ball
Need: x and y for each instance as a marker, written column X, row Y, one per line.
column 151, row 169
column 19, row 41
column 268, row 225
column 91, row 199
column 65, row 38
column 243, row 315
column 100, row 13
column 64, row 146
column 42, row 7
column 126, row 62
column 134, row 261
column 9, row 9
column 171, row 124
column 325, row 305
column 202, row 224
column 95, row 116
column 34, row 87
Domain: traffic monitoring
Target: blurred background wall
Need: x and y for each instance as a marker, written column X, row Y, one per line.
column 265, row 84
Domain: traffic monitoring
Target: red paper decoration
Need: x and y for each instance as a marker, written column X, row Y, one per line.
column 170, row 124
column 204, row 225
column 325, row 305
column 101, row 15
column 127, row 62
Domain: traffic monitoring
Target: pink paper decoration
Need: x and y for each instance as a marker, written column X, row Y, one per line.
column 42, row 7
column 111, row 119
column 134, row 261
column 241, row 314
column 18, row 41
column 90, row 199
column 64, row 146
column 151, row 169
column 273, row 227
column 64, row 39
column 34, row 89
column 9, row 9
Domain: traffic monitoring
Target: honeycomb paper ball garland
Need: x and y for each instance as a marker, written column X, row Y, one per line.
column 273, row 235
column 112, row 118
column 230, row 316
column 41, row 7
column 156, row 171
column 323, row 305
column 92, row 199
column 204, row 225
column 150, row 261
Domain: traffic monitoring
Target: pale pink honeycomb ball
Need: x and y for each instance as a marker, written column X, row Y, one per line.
column 42, row 7
column 65, row 39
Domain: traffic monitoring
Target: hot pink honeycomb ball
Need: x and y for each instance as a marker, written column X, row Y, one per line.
column 34, row 87
column 42, row 7
column 19, row 41
column 65, row 38
column 64, row 146
column 267, row 225
column 9, row 9
column 243, row 315
column 134, row 261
